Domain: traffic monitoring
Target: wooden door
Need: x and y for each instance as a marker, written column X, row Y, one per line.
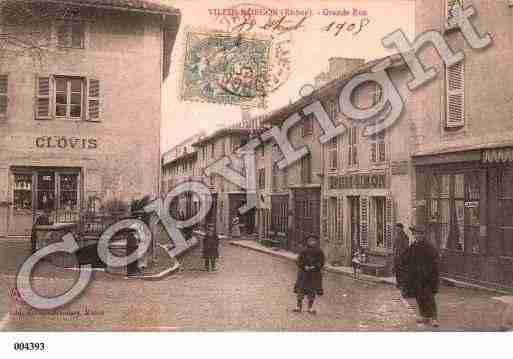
column 306, row 216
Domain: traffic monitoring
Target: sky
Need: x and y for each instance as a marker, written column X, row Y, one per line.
column 309, row 47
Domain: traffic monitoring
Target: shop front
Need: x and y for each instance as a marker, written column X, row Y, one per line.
column 358, row 215
column 56, row 191
column 465, row 201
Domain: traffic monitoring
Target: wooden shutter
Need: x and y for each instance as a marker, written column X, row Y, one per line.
column 373, row 151
column 455, row 98
column 4, row 98
column 389, row 222
column 93, row 100
column 364, row 222
column 43, row 103
column 340, row 215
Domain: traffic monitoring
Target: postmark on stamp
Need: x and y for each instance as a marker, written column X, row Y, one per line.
column 225, row 68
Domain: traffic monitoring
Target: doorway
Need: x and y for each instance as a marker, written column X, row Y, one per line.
column 354, row 214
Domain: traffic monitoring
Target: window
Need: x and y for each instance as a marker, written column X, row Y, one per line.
column 451, row 10
column 332, row 108
column 307, row 126
column 305, row 163
column 453, row 210
column 212, row 150
column 22, row 192
column 204, row 152
column 261, row 178
column 379, row 222
column 275, row 173
column 211, row 180
column 504, row 221
column 335, row 219
column 70, row 34
column 375, row 93
column 333, row 153
column 378, row 153
column 68, row 97
column 352, row 156
column 455, row 95
column 223, row 148
column 3, row 95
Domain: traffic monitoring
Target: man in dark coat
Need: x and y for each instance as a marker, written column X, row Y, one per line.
column 423, row 276
column 401, row 245
column 310, row 263
column 210, row 248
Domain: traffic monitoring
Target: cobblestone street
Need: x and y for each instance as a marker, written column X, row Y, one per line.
column 250, row 291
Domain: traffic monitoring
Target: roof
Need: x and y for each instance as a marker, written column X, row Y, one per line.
column 281, row 114
column 148, row 6
column 181, row 158
column 223, row 133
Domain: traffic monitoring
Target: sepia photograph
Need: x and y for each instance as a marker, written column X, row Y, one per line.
column 255, row 166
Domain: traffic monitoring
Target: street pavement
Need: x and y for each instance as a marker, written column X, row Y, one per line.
column 250, row 291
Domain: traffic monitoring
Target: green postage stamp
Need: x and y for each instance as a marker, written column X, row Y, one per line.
column 223, row 68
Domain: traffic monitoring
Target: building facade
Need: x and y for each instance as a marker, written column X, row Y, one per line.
column 463, row 146
column 81, row 120
column 227, row 196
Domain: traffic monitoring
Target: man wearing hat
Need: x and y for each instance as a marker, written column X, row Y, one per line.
column 422, row 278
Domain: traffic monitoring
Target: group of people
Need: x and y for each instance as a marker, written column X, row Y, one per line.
column 416, row 268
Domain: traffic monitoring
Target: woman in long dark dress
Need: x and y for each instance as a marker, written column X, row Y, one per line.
column 310, row 263
column 211, row 248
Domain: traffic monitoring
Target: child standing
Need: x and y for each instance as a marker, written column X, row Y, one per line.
column 309, row 279
column 210, row 248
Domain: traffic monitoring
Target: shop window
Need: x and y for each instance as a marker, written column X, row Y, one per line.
column 453, row 211
column 22, row 192
column 335, row 219
column 505, row 219
column 3, row 95
column 71, row 35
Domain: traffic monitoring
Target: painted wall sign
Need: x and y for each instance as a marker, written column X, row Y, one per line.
column 63, row 142
column 375, row 180
column 495, row 155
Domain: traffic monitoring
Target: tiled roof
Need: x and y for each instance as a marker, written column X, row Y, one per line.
column 154, row 6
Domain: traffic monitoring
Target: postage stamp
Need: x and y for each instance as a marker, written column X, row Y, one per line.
column 225, row 68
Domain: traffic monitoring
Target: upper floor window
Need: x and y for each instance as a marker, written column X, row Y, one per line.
column 275, row 173
column 223, row 148
column 333, row 153
column 452, row 8
column 4, row 98
column 212, row 150
column 74, row 98
column 352, row 140
column 69, row 97
column 455, row 95
column 332, row 110
column 70, row 34
column 306, row 171
column 375, row 94
column 307, row 126
column 378, row 153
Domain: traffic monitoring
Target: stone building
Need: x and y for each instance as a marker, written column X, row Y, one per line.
column 350, row 190
column 227, row 196
column 80, row 112
column 464, row 145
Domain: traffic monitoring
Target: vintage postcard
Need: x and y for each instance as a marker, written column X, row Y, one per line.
column 333, row 165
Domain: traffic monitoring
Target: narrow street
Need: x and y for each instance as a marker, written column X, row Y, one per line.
column 250, row 291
